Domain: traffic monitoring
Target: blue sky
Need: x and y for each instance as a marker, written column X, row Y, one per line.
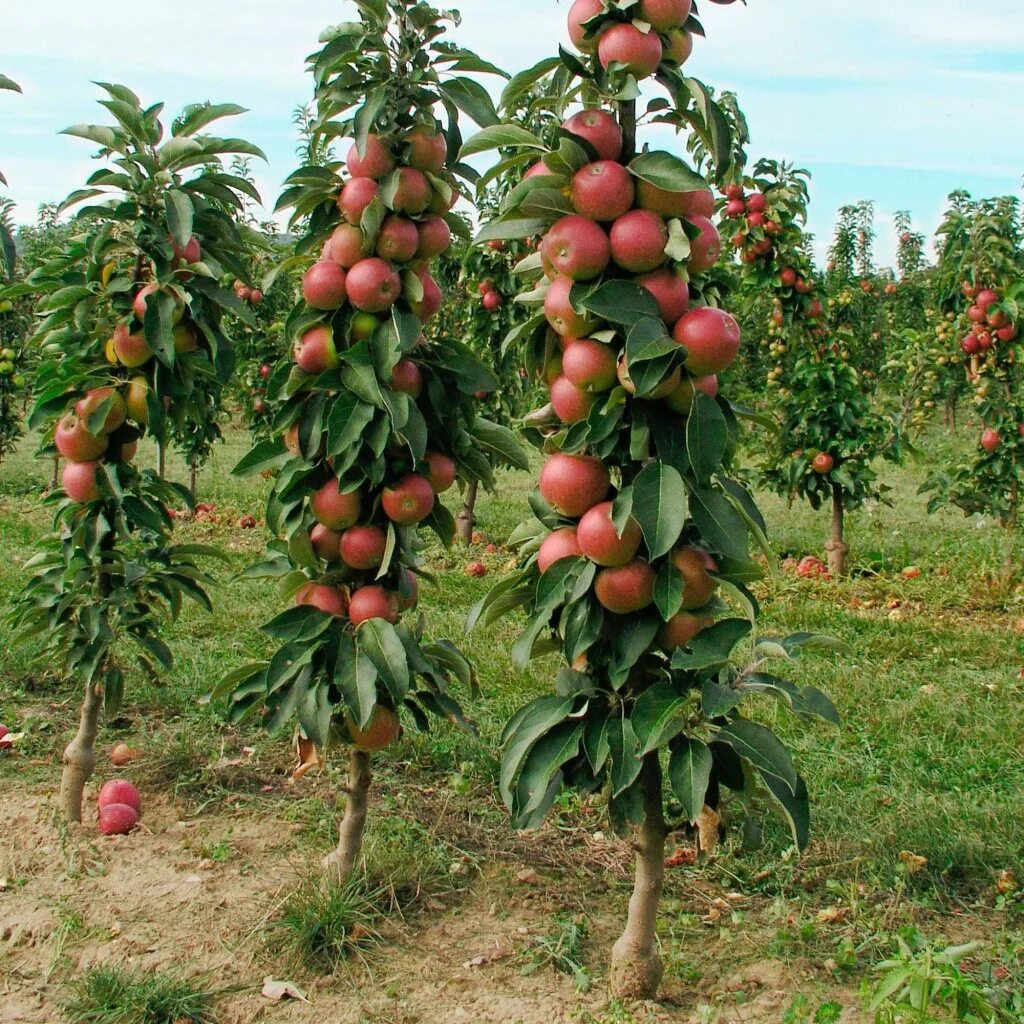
column 899, row 101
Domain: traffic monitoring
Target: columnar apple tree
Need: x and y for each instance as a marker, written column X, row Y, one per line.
column 828, row 434
column 377, row 421
column 639, row 552
column 990, row 266
column 129, row 330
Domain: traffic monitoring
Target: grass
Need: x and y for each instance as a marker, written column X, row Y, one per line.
column 115, row 995
column 928, row 759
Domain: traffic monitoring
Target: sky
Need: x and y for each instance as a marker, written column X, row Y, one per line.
column 896, row 101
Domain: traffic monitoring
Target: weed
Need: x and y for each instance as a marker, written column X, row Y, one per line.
column 116, row 995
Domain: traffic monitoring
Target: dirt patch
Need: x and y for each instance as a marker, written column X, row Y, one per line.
column 194, row 894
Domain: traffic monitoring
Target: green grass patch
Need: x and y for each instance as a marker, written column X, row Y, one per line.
column 117, row 995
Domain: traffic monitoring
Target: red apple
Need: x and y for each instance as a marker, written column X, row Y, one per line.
column 330, row 600
column 412, row 191
column 626, row 588
column 576, row 247
column 698, row 203
column 492, row 301
column 664, row 15
column 602, row 190
column 571, row 404
column 407, row 378
column 557, row 545
column 788, row 277
column 428, row 149
column 74, row 441
column 373, row 602
column 79, row 482
column 985, row 299
column 132, row 350
column 599, row 540
column 679, row 46
column 670, row 291
column 680, row 630
column 640, row 52
column 315, row 352
column 410, row 501
column 375, row 161
column 363, row 547
column 373, row 286
column 435, row 237
column 323, row 285
column 822, row 463
column 638, row 240
column 356, row 195
column 600, row 129
column 589, row 365
column 119, row 791
column 440, row 471
column 325, row 542
column 990, row 439
column 426, row 307
column 94, row 398
column 580, row 12
column 398, row 239
column 334, row 508
column 706, row 248
column 698, row 584
column 571, row 484
column 712, row 340
column 560, row 313
column 346, row 245
column 681, row 399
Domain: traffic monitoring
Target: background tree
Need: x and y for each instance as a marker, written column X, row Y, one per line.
column 641, row 537
column 986, row 239
column 379, row 419
column 130, row 326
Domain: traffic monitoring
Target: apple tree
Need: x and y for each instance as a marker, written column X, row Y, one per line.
column 129, row 327
column 378, row 420
column 638, row 557
column 989, row 265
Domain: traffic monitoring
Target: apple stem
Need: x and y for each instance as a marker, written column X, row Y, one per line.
column 836, row 549
column 637, row 969
column 339, row 865
column 79, row 755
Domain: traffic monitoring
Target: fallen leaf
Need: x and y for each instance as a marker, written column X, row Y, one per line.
column 831, row 915
column 306, row 752
column 914, row 862
column 707, row 829
column 1006, row 882
column 684, row 855
column 278, row 990
column 527, row 876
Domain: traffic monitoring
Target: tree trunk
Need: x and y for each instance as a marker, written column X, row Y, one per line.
column 55, row 479
column 161, row 460
column 466, row 521
column 192, row 471
column 79, row 756
column 836, row 549
column 636, row 966
column 339, row 865
column 951, row 403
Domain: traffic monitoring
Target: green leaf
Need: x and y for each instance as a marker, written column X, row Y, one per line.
column 621, row 302
column 499, row 444
column 205, row 114
column 356, row 677
column 266, row 455
column 378, row 641
column 716, row 699
column 179, row 216
column 689, row 774
column 658, row 716
column 720, row 524
column 666, row 171
column 624, row 753
column 501, row 136
column 794, row 805
column 472, row 99
column 668, row 590
column 712, row 646
column 659, row 506
column 762, row 748
column 541, row 774
column 527, row 726
column 707, row 436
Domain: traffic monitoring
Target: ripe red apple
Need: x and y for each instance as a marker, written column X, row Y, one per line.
column 373, row 602
column 426, row 307
column 1007, row 333
column 492, row 301
column 410, row 501
column 571, row 484
column 970, row 345
column 334, row 508
column 412, row 587
column 435, row 237
column 735, row 208
column 132, row 350
column 363, row 547
column 602, row 190
column 325, row 542
column 970, row 290
column 74, row 441
column 571, row 404
column 788, row 277
column 670, row 291
column 706, row 248
column 428, row 149
column 576, row 247
column 638, row 240
column 822, row 463
column 680, row 630
column 375, row 162
column 712, row 340
column 681, row 399
column 997, row 319
column 345, row 246
column 975, row 314
column 990, row 439
column 398, row 239
column 580, row 12
column 804, row 287
column 679, row 46
column 599, row 540
column 589, row 365
column 117, row 819
column 412, row 191
column 985, row 299
column 698, row 584
column 984, row 341
column 325, row 598
column 382, row 731
column 315, row 352
column 190, row 253
column 600, row 129
column 356, row 195
column 557, row 545
column 79, row 482
column 756, row 203
column 373, row 286
column 139, row 302
column 761, row 247
column 560, row 314
column 92, row 401
column 440, row 471
column 119, row 791
column 407, row 378
column 625, row 44
column 756, row 220
column 626, row 588
column 323, row 285
column 697, row 203
column 663, row 15
column 815, row 309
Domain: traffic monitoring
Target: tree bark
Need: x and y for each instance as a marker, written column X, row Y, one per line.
column 55, row 479
column 161, row 460
column 79, row 755
column 637, row 969
column 339, row 865
column 192, row 472
column 836, row 549
column 466, row 521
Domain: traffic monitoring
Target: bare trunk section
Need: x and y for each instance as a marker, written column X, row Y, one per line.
column 161, row 460
column 55, row 479
column 339, row 865
column 79, row 755
column 636, row 966
column 466, row 521
column 192, row 472
column 836, row 549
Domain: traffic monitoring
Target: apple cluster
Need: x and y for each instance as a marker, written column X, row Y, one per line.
column 106, row 422
column 990, row 322
column 638, row 38
column 377, row 261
